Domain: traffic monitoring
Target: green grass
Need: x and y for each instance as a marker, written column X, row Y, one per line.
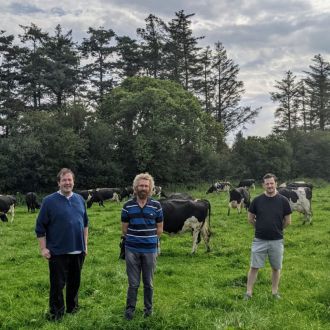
column 203, row 291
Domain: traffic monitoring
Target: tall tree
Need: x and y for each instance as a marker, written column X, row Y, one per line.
column 99, row 48
column 228, row 92
column 60, row 74
column 287, row 94
column 10, row 104
column 153, row 36
column 318, row 89
column 181, row 51
column 31, row 80
column 130, row 59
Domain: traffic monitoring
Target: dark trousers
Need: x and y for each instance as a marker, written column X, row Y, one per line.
column 137, row 263
column 64, row 270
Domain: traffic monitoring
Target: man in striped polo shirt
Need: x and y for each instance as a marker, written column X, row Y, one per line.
column 142, row 225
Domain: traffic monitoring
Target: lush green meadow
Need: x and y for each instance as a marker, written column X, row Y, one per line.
column 203, row 291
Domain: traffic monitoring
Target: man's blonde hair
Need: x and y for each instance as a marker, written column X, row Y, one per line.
column 144, row 176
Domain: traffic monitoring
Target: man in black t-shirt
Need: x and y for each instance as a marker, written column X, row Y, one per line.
column 269, row 213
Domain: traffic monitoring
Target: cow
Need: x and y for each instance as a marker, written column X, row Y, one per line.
column 126, row 192
column 247, row 183
column 239, row 197
column 296, row 184
column 31, row 201
column 219, row 187
column 179, row 195
column 300, row 200
column 157, row 191
column 7, row 204
column 99, row 195
column 85, row 194
column 181, row 215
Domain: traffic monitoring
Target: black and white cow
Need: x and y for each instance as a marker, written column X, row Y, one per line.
column 157, row 191
column 181, row 215
column 31, row 201
column 296, row 184
column 100, row 195
column 300, row 200
column 7, row 204
column 219, row 187
column 247, row 183
column 238, row 198
column 126, row 192
column 85, row 194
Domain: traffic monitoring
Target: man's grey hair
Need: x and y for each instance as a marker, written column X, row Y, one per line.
column 144, row 176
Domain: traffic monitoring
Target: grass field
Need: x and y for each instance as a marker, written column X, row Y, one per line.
column 203, row 291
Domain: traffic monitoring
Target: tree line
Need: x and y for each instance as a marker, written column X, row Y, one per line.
column 111, row 106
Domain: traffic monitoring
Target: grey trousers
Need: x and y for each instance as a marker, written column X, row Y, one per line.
column 135, row 264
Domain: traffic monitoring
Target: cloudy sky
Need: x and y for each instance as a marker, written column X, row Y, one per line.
column 265, row 38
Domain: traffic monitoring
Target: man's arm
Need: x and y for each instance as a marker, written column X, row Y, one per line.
column 159, row 228
column 86, row 239
column 287, row 220
column 124, row 227
column 252, row 219
column 43, row 250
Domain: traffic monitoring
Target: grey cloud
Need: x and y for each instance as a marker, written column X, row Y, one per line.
column 58, row 11
column 18, row 8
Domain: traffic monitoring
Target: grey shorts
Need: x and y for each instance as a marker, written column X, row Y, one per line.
column 260, row 249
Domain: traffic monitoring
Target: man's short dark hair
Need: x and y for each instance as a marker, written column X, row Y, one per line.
column 269, row 176
column 62, row 172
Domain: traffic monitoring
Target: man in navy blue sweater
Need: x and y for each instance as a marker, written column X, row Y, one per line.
column 62, row 231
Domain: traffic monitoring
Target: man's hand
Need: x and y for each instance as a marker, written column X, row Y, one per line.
column 45, row 253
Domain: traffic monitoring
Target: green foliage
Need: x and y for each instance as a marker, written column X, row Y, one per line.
column 204, row 291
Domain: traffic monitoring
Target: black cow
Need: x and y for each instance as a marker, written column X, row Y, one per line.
column 31, row 201
column 219, row 187
column 181, row 215
column 100, row 195
column 179, row 195
column 85, row 194
column 238, row 198
column 7, row 204
column 247, row 183
column 300, row 200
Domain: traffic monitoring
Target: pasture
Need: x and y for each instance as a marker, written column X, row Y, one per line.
column 203, row 291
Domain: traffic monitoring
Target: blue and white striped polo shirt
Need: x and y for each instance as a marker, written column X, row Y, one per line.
column 141, row 234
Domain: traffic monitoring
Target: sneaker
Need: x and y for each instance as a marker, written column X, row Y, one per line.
column 247, row 296
column 276, row 296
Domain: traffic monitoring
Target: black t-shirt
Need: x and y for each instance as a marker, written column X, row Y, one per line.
column 270, row 212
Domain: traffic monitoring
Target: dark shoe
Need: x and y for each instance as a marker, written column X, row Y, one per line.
column 128, row 315
column 147, row 313
column 73, row 311
column 247, row 296
column 276, row 296
column 53, row 317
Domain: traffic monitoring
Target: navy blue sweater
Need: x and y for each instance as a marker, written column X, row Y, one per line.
column 62, row 220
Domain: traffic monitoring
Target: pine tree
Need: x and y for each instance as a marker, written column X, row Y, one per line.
column 99, row 48
column 287, row 96
column 318, row 90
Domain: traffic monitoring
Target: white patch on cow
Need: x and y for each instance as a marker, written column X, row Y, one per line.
column 115, row 197
column 194, row 225
column 12, row 212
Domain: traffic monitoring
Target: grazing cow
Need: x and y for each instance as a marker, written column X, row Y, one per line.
column 247, row 183
column 99, row 195
column 181, row 215
column 7, row 204
column 157, row 191
column 300, row 200
column 219, row 187
column 238, row 198
column 31, row 201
